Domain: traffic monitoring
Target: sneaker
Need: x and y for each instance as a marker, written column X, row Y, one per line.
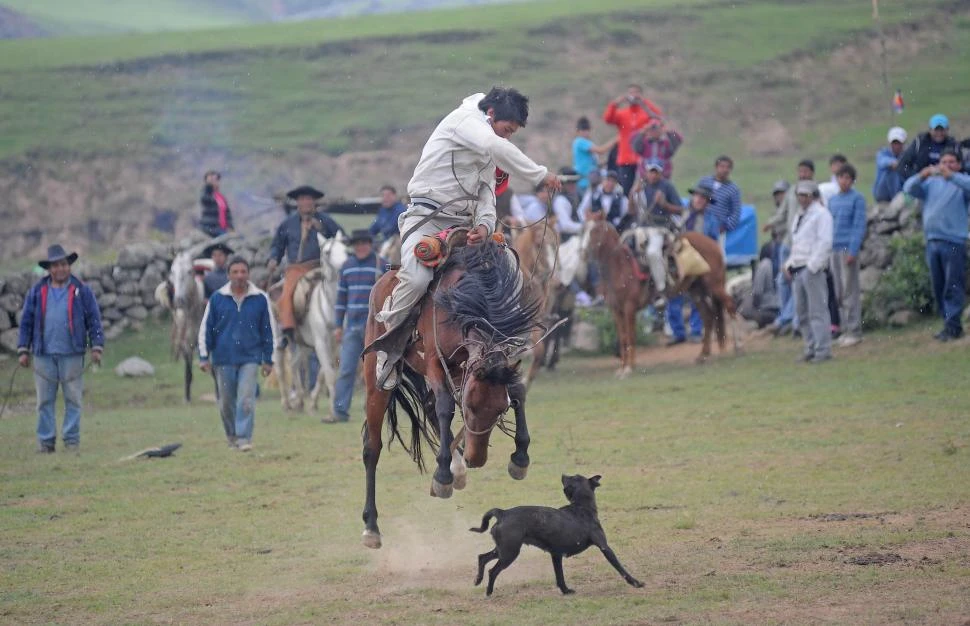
column 334, row 419
column 232, row 442
column 942, row 336
column 43, row 448
column 387, row 376
column 805, row 358
column 244, row 446
column 821, row 358
column 847, row 341
column 72, row 448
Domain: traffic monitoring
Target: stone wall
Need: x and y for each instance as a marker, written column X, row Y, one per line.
column 125, row 290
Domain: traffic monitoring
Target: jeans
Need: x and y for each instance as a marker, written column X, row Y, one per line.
column 66, row 371
column 786, row 300
column 675, row 317
column 350, row 350
column 946, row 272
column 237, row 399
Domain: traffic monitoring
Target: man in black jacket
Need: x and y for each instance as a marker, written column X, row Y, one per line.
column 216, row 217
column 926, row 148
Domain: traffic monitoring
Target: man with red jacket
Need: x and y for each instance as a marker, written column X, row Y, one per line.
column 629, row 113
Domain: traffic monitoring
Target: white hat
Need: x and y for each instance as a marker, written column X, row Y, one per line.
column 806, row 187
column 896, row 133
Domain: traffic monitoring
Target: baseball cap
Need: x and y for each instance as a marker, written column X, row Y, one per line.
column 896, row 133
column 654, row 164
column 780, row 185
column 940, row 120
column 806, row 187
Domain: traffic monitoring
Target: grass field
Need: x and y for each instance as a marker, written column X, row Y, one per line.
column 742, row 492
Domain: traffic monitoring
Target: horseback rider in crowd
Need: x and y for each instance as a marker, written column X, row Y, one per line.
column 296, row 236
column 658, row 202
column 454, row 185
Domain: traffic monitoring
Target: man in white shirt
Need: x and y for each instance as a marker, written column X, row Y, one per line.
column 454, row 185
column 565, row 204
column 805, row 267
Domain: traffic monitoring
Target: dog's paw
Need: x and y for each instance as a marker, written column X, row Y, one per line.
column 478, row 580
column 567, row 591
column 636, row 583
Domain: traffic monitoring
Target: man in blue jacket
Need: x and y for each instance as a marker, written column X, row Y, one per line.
column 236, row 337
column 60, row 321
column 384, row 225
column 848, row 209
column 945, row 193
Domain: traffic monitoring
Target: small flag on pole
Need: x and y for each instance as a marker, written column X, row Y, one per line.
column 898, row 103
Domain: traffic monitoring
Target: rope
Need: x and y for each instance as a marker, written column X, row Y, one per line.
column 9, row 393
column 13, row 376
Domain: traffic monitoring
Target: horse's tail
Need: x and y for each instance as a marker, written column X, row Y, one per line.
column 413, row 396
column 496, row 513
column 723, row 306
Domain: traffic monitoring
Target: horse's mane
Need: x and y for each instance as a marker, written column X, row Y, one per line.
column 488, row 296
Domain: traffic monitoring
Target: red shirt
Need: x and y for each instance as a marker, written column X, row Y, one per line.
column 628, row 121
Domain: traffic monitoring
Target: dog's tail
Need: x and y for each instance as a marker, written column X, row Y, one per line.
column 496, row 513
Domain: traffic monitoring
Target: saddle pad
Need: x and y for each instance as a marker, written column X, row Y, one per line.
column 689, row 260
column 301, row 294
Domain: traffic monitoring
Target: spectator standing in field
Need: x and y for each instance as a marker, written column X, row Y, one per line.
column 889, row 181
column 219, row 275
column 629, row 113
column 831, row 187
column 724, row 214
column 945, row 193
column 780, row 225
column 384, row 226
column 586, row 153
column 701, row 199
column 357, row 278
column 60, row 321
column 925, row 150
column 236, row 338
column 848, row 209
column 810, row 254
column 216, row 216
column 656, row 143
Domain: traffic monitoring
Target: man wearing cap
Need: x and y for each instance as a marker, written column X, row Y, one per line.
column 655, row 143
column 357, row 278
column 454, row 185
column 780, row 225
column 297, row 238
column 945, row 193
column 926, row 149
column 810, row 254
column 236, row 339
column 701, row 197
column 657, row 203
column 629, row 113
column 218, row 275
column 60, row 320
column 216, row 216
column 778, row 191
column 889, row 181
column 725, row 211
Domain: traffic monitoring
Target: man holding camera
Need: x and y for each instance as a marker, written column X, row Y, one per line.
column 629, row 113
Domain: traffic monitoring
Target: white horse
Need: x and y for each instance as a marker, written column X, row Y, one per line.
column 315, row 332
column 183, row 294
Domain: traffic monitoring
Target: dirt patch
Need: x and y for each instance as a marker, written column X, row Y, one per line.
column 841, row 517
column 876, row 558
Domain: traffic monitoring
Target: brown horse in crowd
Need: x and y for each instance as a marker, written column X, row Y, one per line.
column 537, row 246
column 627, row 293
column 476, row 319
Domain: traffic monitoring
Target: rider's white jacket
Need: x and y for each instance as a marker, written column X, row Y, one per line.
column 459, row 159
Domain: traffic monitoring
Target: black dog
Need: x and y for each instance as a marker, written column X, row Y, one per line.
column 560, row 532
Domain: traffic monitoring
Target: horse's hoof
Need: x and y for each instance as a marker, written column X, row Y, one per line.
column 461, row 480
column 371, row 539
column 516, row 472
column 441, row 491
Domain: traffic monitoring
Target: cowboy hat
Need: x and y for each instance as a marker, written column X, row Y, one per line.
column 360, row 234
column 305, row 190
column 218, row 246
column 56, row 253
column 703, row 189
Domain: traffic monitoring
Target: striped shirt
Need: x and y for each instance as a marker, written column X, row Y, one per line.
column 725, row 210
column 357, row 278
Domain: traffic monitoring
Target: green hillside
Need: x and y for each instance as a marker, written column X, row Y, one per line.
column 726, row 72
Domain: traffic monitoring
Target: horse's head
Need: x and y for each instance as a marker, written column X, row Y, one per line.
column 485, row 397
column 181, row 277
column 333, row 253
column 596, row 234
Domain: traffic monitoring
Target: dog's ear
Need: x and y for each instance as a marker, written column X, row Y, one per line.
column 594, row 482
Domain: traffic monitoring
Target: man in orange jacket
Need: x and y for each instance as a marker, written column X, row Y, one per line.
column 636, row 111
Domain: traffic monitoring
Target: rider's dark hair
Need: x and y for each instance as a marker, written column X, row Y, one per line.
column 509, row 105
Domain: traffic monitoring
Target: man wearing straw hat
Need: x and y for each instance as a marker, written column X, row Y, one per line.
column 61, row 320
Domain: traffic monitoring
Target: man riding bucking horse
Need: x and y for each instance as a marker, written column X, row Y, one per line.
column 454, row 185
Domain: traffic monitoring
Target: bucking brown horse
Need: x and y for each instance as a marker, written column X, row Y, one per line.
column 471, row 326
column 628, row 289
